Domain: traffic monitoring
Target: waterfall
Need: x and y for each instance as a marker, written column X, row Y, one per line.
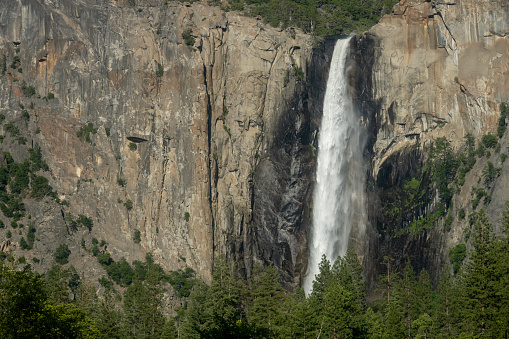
column 338, row 202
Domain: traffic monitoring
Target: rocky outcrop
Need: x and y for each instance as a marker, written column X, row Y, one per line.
column 433, row 69
column 219, row 110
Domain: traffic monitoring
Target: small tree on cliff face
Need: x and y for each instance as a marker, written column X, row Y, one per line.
column 62, row 254
column 188, row 37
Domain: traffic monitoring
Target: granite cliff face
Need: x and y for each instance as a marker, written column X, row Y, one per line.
column 230, row 109
column 221, row 115
column 430, row 69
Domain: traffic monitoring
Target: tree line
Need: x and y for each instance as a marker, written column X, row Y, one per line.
column 319, row 17
column 472, row 303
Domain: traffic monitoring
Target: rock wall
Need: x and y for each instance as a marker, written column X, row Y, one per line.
column 428, row 70
column 230, row 116
column 223, row 117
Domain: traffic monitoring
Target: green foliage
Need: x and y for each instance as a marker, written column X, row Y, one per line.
column 461, row 214
column 105, row 259
column 121, row 182
column 479, row 194
column 105, row 282
column 28, row 91
column 22, row 140
column 142, row 307
column 472, row 303
column 187, row 36
column 16, row 62
column 137, row 236
column 286, row 79
column 9, row 234
column 503, row 157
column 298, row 72
column 27, row 312
column 187, row 216
column 120, row 272
column 3, row 64
column 24, row 245
column 40, row 187
column 84, row 132
column 85, row 221
column 182, row 281
column 448, row 222
column 107, row 130
column 322, row 18
column 490, row 172
column 61, row 283
column 482, row 284
column 159, row 70
column 12, row 129
column 25, row 115
column 133, row 146
column 424, row 223
column 227, row 130
column 128, row 204
column 489, row 140
column 457, row 254
column 62, row 254
column 504, row 112
column 445, row 167
column 50, row 96
column 36, row 161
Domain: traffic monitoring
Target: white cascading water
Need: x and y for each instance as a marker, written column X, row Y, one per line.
column 339, row 192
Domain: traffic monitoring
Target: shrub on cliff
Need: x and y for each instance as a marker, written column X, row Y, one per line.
column 28, row 91
column 62, row 254
column 160, row 70
column 84, row 132
column 188, row 37
column 40, row 187
column 489, row 140
column 504, row 111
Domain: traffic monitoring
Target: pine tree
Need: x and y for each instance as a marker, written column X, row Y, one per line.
column 339, row 311
column 293, row 316
column 480, row 282
column 393, row 323
column 502, row 269
column 446, row 301
column 27, row 312
column 57, row 282
column 422, row 326
column 316, row 300
column 197, row 318
column 405, row 298
column 423, row 295
column 169, row 330
column 108, row 317
column 347, row 272
column 142, row 306
column 224, row 301
column 373, row 324
column 267, row 295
